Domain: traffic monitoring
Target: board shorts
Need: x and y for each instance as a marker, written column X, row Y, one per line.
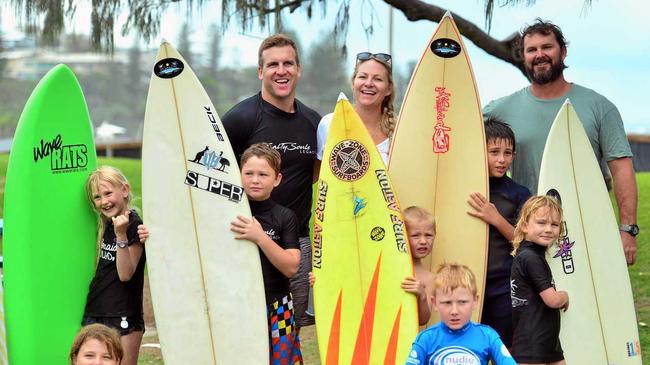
column 123, row 325
column 299, row 285
column 284, row 344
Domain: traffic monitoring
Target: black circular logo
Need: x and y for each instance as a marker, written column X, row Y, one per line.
column 377, row 234
column 168, row 68
column 445, row 48
column 349, row 160
column 555, row 194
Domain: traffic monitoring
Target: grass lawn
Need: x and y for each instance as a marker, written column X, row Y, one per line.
column 639, row 273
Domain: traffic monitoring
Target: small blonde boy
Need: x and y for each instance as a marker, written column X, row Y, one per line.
column 456, row 339
column 421, row 228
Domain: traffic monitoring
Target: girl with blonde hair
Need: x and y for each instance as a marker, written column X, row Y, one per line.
column 115, row 294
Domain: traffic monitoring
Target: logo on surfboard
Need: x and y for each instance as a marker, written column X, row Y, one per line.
column 168, row 68
column 349, row 160
column 213, row 122
column 440, row 138
column 633, row 348
column 230, row 191
column 319, row 213
column 445, row 48
column 63, row 158
column 377, row 234
column 565, row 243
column 211, row 160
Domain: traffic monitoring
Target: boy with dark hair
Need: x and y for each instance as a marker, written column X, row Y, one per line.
column 274, row 229
column 500, row 212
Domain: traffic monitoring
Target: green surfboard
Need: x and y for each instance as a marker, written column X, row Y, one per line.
column 50, row 228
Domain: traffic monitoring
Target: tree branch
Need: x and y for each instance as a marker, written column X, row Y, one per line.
column 506, row 50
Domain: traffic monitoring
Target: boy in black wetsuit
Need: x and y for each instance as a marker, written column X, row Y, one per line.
column 274, row 229
column 500, row 212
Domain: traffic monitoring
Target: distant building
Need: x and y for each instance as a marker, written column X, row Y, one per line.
column 32, row 64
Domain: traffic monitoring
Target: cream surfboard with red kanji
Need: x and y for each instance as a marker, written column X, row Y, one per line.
column 360, row 253
column 600, row 326
column 438, row 154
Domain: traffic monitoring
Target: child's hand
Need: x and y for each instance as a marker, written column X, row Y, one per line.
column 414, row 286
column 483, row 209
column 312, row 278
column 248, row 229
column 120, row 223
column 143, row 233
column 566, row 304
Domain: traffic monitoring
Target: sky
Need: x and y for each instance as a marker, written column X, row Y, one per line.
column 609, row 42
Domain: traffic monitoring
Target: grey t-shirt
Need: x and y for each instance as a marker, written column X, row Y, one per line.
column 531, row 119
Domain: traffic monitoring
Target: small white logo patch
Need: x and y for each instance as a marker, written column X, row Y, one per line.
column 413, row 358
column 504, row 351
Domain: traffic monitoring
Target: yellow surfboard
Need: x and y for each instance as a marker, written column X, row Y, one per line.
column 438, row 155
column 360, row 253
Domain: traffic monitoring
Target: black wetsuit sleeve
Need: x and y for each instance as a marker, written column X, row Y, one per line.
column 290, row 230
column 539, row 273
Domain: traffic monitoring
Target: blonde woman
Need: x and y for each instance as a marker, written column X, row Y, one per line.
column 373, row 92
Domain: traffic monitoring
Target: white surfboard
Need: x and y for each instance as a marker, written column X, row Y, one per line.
column 207, row 288
column 600, row 326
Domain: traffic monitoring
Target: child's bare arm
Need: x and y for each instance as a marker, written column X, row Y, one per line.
column 127, row 258
column 414, row 286
column 555, row 299
column 312, row 278
column 487, row 212
column 285, row 260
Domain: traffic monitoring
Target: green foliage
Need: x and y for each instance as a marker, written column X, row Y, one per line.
column 229, row 86
column 112, row 96
column 13, row 96
column 324, row 75
column 184, row 45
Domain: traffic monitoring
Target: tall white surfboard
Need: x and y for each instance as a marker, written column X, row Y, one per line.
column 600, row 325
column 207, row 288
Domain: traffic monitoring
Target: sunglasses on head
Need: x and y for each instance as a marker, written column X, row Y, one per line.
column 365, row 56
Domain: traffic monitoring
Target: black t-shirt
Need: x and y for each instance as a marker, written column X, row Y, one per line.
column 108, row 296
column 281, row 225
column 508, row 197
column 292, row 134
column 536, row 327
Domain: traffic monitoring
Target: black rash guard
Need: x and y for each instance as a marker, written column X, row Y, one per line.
column 254, row 120
column 108, row 296
column 281, row 225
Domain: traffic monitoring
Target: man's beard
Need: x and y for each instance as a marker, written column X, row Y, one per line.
column 545, row 76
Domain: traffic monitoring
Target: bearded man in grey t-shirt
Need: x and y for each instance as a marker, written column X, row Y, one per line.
column 531, row 111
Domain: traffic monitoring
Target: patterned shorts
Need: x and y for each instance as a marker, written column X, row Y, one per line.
column 284, row 344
